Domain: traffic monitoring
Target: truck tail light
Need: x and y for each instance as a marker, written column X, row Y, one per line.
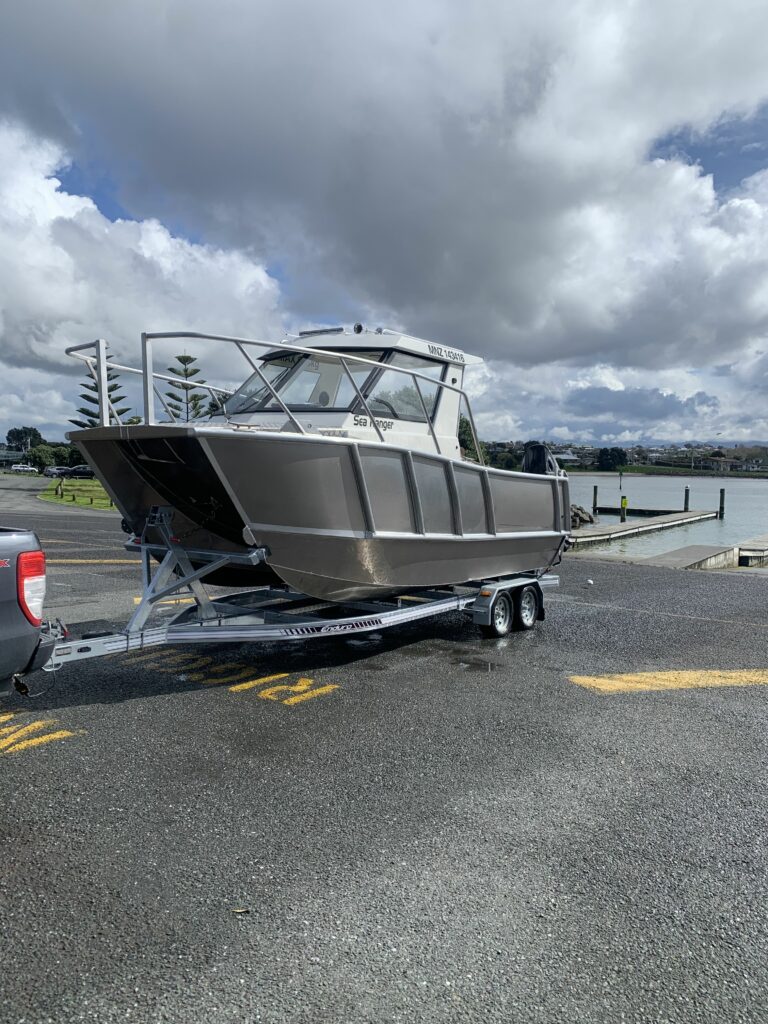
column 30, row 584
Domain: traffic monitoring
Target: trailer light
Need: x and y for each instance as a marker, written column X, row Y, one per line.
column 30, row 584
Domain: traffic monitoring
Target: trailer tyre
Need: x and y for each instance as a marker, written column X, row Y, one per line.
column 502, row 616
column 527, row 607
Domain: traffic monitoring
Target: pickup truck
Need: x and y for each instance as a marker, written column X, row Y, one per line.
column 24, row 647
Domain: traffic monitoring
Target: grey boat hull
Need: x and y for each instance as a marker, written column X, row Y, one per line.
column 341, row 519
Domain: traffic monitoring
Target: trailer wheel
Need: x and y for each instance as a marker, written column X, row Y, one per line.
column 502, row 615
column 527, row 607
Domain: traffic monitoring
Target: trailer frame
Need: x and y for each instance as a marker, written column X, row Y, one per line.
column 269, row 613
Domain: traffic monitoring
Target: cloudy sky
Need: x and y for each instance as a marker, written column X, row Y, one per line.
column 576, row 192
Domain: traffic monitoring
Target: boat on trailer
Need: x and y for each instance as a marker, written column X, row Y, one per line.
column 336, row 469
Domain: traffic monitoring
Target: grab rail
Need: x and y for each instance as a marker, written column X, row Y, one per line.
column 98, row 365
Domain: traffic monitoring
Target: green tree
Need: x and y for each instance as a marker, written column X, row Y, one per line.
column 611, row 459
column 90, row 395
column 185, row 402
column 41, row 456
column 466, row 441
column 22, row 438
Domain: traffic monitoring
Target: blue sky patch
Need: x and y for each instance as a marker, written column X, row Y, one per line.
column 731, row 151
column 93, row 181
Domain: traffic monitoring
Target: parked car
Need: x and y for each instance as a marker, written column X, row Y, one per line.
column 21, row 468
column 79, row 473
column 56, row 471
column 24, row 647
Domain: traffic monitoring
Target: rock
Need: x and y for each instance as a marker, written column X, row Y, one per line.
column 580, row 516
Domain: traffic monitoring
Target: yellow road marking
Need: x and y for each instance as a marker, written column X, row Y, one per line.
column 675, row 680
column 201, row 677
column 38, row 741
column 93, row 561
column 237, row 673
column 257, row 682
column 301, row 686
column 169, row 600
column 310, row 694
column 23, row 731
column 198, row 663
column 6, row 717
column 157, row 652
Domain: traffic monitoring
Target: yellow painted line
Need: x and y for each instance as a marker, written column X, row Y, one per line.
column 236, row 677
column 157, row 652
column 37, row 741
column 198, row 663
column 310, row 694
column 93, row 561
column 7, row 717
column 169, row 600
column 632, row 682
column 273, row 692
column 257, row 682
column 213, row 676
column 25, row 730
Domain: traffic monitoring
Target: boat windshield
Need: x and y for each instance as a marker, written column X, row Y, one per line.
column 304, row 382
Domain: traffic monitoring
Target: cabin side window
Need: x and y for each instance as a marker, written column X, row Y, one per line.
column 396, row 395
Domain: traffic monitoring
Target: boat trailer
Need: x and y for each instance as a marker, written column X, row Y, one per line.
column 271, row 613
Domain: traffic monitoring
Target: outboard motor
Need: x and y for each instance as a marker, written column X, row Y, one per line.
column 539, row 459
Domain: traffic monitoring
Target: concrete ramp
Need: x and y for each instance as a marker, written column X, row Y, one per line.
column 754, row 552
column 697, row 556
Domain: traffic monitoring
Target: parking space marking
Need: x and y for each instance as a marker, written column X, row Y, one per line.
column 153, row 653
column 638, row 682
column 318, row 692
column 18, row 737
column 168, row 601
column 37, row 741
column 285, row 693
column 234, row 675
column 251, row 684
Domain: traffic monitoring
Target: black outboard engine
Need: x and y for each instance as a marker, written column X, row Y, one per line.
column 539, row 459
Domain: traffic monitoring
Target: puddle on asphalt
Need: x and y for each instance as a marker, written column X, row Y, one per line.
column 475, row 664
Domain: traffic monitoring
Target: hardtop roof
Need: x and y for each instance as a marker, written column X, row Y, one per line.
column 381, row 337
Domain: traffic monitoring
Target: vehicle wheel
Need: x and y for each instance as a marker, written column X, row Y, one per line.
column 527, row 607
column 502, row 615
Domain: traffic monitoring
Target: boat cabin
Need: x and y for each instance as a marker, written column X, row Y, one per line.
column 368, row 384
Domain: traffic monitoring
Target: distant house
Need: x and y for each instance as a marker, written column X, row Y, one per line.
column 724, row 465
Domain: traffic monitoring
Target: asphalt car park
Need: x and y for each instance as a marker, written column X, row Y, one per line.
column 563, row 825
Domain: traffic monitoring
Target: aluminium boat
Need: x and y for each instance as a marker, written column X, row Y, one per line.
column 340, row 458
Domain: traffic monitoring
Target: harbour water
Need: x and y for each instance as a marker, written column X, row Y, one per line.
column 746, row 508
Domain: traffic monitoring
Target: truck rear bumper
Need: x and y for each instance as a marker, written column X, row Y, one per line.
column 41, row 655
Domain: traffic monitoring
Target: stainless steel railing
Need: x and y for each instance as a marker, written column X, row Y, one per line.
column 98, row 364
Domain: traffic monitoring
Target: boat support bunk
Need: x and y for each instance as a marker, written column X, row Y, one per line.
column 272, row 613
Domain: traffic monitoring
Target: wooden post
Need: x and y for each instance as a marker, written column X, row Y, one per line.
column 624, row 504
column 722, row 503
column 687, row 501
column 594, row 500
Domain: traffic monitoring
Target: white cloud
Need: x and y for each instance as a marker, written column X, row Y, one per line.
column 68, row 275
column 475, row 174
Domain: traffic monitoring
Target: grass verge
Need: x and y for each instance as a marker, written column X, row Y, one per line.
column 80, row 493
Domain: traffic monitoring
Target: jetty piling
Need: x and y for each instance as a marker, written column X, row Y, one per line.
column 594, row 500
column 687, row 499
column 721, row 513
